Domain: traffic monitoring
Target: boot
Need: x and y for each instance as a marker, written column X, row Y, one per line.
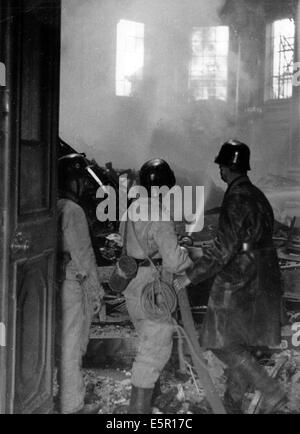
column 140, row 401
column 89, row 409
column 273, row 395
column 156, row 392
column 232, row 406
column 234, row 395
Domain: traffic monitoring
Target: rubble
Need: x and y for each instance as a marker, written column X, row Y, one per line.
column 180, row 395
column 290, row 380
column 112, row 331
column 110, row 389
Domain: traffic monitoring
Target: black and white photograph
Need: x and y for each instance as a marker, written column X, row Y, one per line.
column 149, row 210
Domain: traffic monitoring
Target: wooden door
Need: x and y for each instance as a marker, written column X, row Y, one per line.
column 30, row 41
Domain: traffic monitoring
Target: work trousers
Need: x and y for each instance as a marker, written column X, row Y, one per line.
column 155, row 345
column 76, row 317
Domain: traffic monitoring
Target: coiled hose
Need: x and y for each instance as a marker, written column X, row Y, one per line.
column 159, row 301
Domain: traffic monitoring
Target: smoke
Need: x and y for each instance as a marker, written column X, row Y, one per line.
column 172, row 12
column 91, row 117
column 159, row 120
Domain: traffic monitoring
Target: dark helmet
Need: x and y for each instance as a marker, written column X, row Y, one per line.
column 71, row 167
column 235, row 155
column 72, row 164
column 157, row 173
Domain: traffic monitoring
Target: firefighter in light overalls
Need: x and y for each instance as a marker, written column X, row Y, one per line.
column 158, row 240
column 80, row 292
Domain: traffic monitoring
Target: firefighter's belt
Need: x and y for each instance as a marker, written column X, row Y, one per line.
column 147, row 263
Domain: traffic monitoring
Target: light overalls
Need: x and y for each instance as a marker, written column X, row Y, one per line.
column 80, row 287
column 155, row 337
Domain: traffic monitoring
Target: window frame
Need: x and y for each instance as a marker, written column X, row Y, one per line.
column 217, row 81
column 269, row 94
column 137, row 77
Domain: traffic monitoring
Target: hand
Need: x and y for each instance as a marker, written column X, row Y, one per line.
column 185, row 241
column 97, row 304
column 195, row 253
column 181, row 282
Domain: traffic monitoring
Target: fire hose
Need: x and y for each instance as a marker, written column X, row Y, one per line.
column 197, row 353
column 159, row 302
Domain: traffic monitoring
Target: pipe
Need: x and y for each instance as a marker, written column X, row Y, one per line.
column 97, row 179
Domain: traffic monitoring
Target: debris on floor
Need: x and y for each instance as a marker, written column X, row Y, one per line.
column 180, row 393
column 112, row 331
column 290, row 379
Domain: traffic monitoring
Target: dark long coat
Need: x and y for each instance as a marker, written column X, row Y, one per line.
column 245, row 301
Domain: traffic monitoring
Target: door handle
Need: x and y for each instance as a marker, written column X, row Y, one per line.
column 19, row 244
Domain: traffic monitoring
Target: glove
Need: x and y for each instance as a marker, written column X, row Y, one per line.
column 95, row 295
column 97, row 304
column 181, row 282
column 195, row 253
column 98, row 299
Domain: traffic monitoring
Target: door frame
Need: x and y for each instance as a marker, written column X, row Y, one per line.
column 10, row 50
column 9, row 111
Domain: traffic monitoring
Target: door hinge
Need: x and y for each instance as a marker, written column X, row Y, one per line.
column 2, row 74
column 2, row 335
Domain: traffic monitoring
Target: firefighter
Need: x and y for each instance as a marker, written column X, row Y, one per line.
column 158, row 240
column 80, row 292
column 244, row 309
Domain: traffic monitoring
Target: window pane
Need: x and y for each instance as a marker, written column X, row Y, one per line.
column 209, row 63
column 130, row 56
column 283, row 43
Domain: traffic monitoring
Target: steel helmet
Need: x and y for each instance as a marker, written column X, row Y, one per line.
column 71, row 167
column 72, row 164
column 156, row 173
column 235, row 155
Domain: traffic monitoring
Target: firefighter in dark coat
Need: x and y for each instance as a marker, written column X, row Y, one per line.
column 244, row 308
